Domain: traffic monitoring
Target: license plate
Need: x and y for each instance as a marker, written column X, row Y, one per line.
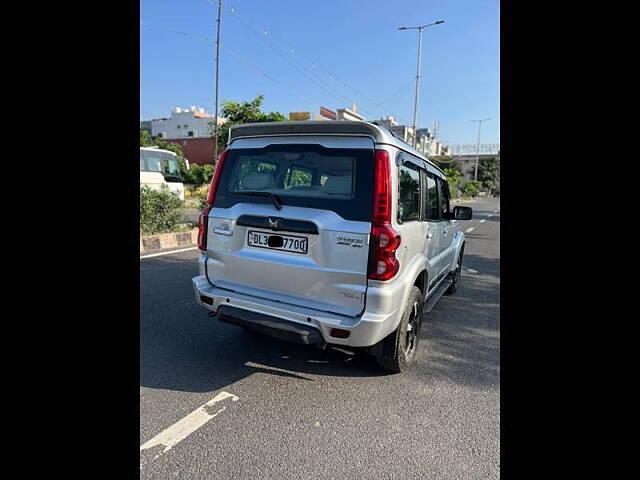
column 287, row 243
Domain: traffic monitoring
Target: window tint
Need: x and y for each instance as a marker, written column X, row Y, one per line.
column 308, row 174
column 311, row 176
column 171, row 170
column 409, row 205
column 443, row 191
column 154, row 161
column 432, row 207
column 165, row 163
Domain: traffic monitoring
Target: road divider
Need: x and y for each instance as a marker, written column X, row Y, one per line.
column 159, row 254
column 149, row 243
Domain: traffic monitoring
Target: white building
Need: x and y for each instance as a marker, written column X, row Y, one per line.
column 349, row 114
column 426, row 144
column 184, row 123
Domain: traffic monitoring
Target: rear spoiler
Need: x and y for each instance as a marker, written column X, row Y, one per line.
column 307, row 128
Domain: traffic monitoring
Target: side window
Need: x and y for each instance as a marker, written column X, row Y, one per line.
column 154, row 161
column 142, row 165
column 409, row 202
column 443, row 190
column 432, row 209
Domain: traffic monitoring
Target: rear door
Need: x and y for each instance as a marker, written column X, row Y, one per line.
column 409, row 208
column 312, row 252
column 433, row 228
column 448, row 227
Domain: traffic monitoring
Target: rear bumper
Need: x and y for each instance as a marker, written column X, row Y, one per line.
column 365, row 330
column 275, row 327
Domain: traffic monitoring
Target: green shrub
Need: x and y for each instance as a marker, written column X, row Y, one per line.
column 201, row 194
column 472, row 188
column 199, row 174
column 453, row 179
column 159, row 210
column 193, row 175
column 207, row 173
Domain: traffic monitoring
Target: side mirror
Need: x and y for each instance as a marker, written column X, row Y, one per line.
column 462, row 213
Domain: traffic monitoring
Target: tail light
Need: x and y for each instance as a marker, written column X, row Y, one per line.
column 215, row 181
column 384, row 239
column 203, row 220
column 203, row 224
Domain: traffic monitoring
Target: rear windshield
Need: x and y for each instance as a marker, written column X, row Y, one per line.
column 337, row 179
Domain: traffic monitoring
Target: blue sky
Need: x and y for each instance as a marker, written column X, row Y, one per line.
column 351, row 51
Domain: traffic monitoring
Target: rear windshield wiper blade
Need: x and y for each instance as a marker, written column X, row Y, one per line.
column 277, row 201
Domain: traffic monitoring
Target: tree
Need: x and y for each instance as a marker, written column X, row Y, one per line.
column 471, row 188
column 489, row 173
column 453, row 179
column 245, row 112
column 444, row 162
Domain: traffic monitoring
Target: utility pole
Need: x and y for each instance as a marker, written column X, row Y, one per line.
column 215, row 118
column 415, row 103
column 475, row 176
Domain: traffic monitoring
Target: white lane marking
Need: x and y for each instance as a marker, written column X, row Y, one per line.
column 482, row 221
column 471, row 270
column 490, row 215
column 470, row 229
column 496, row 211
column 168, row 253
column 183, row 428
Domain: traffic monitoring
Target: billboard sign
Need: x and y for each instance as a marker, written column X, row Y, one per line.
column 299, row 116
column 330, row 114
column 485, row 149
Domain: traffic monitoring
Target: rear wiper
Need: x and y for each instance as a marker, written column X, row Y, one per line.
column 274, row 198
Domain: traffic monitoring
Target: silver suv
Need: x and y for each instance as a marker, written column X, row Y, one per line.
column 328, row 233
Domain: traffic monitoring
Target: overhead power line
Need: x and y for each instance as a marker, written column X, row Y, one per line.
column 305, row 71
column 310, row 75
column 242, row 58
column 264, row 35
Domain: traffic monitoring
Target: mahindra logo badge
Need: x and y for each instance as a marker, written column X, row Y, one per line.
column 273, row 224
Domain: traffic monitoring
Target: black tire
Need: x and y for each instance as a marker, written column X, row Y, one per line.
column 404, row 340
column 456, row 275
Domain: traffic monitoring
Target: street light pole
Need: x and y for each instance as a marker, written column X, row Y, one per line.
column 475, row 176
column 415, row 103
column 215, row 119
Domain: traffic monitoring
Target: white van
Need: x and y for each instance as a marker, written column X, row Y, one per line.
column 328, row 233
column 160, row 167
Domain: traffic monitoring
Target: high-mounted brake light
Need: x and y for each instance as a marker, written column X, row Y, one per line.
column 384, row 239
column 215, row 181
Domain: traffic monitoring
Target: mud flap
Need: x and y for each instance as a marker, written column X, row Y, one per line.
column 385, row 348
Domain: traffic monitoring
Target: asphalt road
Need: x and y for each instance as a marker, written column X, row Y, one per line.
column 305, row 413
